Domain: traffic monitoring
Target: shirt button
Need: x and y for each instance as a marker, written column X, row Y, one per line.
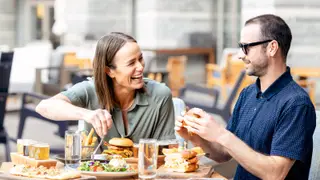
column 255, row 109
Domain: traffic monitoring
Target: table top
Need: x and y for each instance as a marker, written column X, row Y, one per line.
column 6, row 166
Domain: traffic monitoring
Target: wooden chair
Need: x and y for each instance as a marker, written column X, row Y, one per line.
column 176, row 68
column 63, row 72
column 208, row 98
column 222, row 75
column 310, row 87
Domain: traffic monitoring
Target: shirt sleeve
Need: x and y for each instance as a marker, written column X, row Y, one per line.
column 293, row 133
column 233, row 121
column 78, row 94
column 165, row 127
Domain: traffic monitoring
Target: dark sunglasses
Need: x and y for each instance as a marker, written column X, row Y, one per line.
column 245, row 46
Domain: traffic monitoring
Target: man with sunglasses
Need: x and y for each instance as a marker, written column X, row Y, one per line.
column 270, row 131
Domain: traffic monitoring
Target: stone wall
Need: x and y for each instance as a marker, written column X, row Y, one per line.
column 303, row 17
column 95, row 18
column 7, row 23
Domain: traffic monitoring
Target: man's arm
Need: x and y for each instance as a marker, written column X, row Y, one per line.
column 216, row 151
column 262, row 166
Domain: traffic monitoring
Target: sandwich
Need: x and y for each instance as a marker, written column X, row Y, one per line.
column 184, row 123
column 184, row 161
column 120, row 146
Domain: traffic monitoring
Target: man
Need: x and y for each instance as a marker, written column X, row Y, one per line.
column 270, row 132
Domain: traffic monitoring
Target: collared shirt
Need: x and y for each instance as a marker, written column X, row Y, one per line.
column 279, row 122
column 150, row 116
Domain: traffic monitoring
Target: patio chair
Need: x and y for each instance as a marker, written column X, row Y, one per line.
column 5, row 70
column 224, row 74
column 208, row 98
column 176, row 68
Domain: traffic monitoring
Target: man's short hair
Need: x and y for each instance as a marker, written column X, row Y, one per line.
column 274, row 28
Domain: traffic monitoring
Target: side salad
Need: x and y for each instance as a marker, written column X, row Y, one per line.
column 96, row 166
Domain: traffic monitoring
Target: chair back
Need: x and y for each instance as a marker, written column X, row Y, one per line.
column 5, row 71
column 176, row 68
column 6, row 57
column 314, row 173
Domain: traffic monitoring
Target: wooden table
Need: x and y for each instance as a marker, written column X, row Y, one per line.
column 306, row 72
column 7, row 165
column 187, row 51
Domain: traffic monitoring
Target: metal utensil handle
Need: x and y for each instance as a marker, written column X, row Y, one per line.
column 95, row 150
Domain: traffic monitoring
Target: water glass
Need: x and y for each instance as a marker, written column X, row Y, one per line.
column 148, row 156
column 179, row 109
column 72, row 149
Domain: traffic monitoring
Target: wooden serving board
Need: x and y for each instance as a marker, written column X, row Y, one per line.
column 134, row 160
column 6, row 166
column 202, row 172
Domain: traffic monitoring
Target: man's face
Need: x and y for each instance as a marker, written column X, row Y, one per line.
column 254, row 57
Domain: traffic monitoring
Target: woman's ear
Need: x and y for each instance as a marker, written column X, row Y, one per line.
column 108, row 71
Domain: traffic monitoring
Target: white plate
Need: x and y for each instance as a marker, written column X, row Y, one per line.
column 109, row 174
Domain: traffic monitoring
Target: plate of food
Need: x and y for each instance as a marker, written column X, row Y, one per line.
column 198, row 150
column 42, row 172
column 117, row 167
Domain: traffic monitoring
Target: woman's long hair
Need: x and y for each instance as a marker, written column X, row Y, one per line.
column 106, row 49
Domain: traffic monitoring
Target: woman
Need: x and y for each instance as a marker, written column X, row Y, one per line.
column 118, row 101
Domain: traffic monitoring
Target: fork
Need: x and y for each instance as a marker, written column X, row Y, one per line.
column 95, row 150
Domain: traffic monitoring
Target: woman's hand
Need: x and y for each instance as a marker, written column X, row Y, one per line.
column 101, row 121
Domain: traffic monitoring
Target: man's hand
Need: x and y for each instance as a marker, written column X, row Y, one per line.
column 101, row 121
column 183, row 132
column 204, row 126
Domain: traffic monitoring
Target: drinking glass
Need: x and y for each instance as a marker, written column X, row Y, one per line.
column 72, row 149
column 148, row 156
column 179, row 110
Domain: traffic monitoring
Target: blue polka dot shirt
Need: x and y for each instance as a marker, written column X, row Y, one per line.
column 279, row 121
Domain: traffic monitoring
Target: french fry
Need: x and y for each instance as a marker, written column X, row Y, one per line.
column 89, row 137
column 94, row 140
column 84, row 138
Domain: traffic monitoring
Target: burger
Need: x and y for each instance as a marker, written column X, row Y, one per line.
column 120, row 146
column 184, row 161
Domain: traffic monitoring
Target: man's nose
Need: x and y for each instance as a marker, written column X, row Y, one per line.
column 241, row 54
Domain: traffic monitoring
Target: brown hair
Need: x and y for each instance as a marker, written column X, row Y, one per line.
column 106, row 49
column 275, row 28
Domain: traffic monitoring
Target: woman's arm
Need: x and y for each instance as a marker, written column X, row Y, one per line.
column 60, row 108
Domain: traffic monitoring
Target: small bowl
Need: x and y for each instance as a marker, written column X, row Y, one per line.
column 87, row 151
column 104, row 158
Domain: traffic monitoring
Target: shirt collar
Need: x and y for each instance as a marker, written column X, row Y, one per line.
column 275, row 87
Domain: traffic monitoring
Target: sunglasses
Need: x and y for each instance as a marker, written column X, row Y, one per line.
column 245, row 46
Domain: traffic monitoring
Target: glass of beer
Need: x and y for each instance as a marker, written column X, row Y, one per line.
column 148, row 155
column 40, row 151
column 72, row 149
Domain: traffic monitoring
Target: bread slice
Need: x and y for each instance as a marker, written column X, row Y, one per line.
column 20, row 159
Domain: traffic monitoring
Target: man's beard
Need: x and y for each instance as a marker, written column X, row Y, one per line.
column 258, row 69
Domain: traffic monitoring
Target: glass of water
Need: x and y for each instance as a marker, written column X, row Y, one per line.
column 148, row 156
column 179, row 110
column 72, row 149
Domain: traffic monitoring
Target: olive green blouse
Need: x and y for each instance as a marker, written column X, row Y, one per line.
column 150, row 116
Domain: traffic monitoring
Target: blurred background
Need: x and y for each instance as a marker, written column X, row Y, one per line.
column 187, row 44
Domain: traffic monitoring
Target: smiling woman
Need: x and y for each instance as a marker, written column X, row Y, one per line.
column 118, row 101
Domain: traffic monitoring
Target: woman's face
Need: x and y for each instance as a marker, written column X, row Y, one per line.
column 129, row 65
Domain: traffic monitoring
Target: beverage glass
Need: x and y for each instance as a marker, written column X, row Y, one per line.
column 148, row 156
column 179, row 110
column 72, row 149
